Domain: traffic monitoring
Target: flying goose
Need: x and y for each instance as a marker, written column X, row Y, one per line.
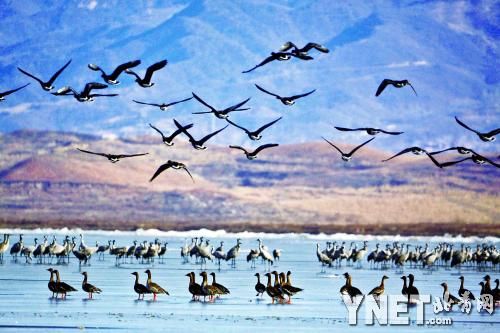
column 163, row 106
column 255, row 135
column 486, row 137
column 369, row 130
column 416, row 151
column 476, row 158
column 171, row 164
column 460, row 150
column 113, row 77
column 154, row 288
column 285, row 100
column 48, row 84
column 347, row 156
column 198, row 144
column 253, row 155
column 304, row 50
column 395, row 83
column 85, row 95
column 89, row 288
column 168, row 140
column 111, row 157
column 146, row 81
column 280, row 56
column 221, row 114
column 8, row 92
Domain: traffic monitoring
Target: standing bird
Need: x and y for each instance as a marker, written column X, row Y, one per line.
column 171, row 164
column 449, row 298
column 164, row 106
column 412, row 290
column 112, row 157
column 260, row 288
column 304, row 50
column 273, row 291
column 4, row 245
column 368, row 130
column 62, row 287
column 52, row 283
column 221, row 114
column 48, row 85
column 255, row 135
column 415, row 151
column 378, row 290
column 253, row 155
column 85, row 95
column 206, row 289
column 17, row 248
column 194, row 288
column 87, row 287
column 198, row 144
column 139, row 288
column 347, row 156
column 285, row 100
column 395, row 83
column 233, row 253
column 276, row 254
column 464, row 293
column 154, row 288
column 348, row 289
column 8, row 92
column 280, row 56
column 486, row 137
column 113, row 77
column 223, row 290
column 168, row 140
column 404, row 290
column 146, row 81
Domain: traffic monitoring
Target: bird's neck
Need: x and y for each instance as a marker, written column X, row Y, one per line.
column 84, row 279
column 269, row 280
column 461, row 283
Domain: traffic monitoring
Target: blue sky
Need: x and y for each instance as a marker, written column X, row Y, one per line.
column 447, row 49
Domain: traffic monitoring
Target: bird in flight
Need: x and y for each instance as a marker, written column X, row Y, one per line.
column 486, row 137
column 168, row 140
column 285, row 100
column 113, row 77
column 476, row 158
column 85, row 95
column 173, row 165
column 347, row 156
column 146, row 81
column 221, row 114
column 369, row 130
column 253, row 155
column 395, row 83
column 415, row 151
column 198, row 144
column 303, row 51
column 8, row 92
column 48, row 84
column 280, row 56
column 255, row 135
column 460, row 150
column 111, row 157
column 163, row 106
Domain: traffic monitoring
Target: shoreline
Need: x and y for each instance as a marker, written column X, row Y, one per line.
column 388, row 229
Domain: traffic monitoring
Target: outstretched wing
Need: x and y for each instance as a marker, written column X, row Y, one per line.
column 91, row 152
column 64, row 91
column 344, row 129
column 93, row 85
column 203, row 102
column 118, row 70
column 265, row 61
column 56, row 74
column 153, row 68
column 447, row 164
column 236, row 106
column 361, row 145
column 404, row 151
column 488, row 160
column 8, row 92
column 442, row 151
column 156, row 129
column 189, row 173
column 287, row 46
column 183, row 130
column 179, row 131
column 267, row 125
column 334, row 146
column 302, row 95
column 30, row 75
column 260, row 148
column 465, row 126
column 493, row 132
column 144, row 103
column 102, row 95
column 236, row 125
column 162, row 168
column 238, row 147
column 267, row 92
column 390, row 133
column 436, row 163
column 207, row 137
column 382, row 86
column 131, row 155
column 177, row 102
column 316, row 46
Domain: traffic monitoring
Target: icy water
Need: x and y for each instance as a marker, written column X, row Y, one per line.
column 26, row 305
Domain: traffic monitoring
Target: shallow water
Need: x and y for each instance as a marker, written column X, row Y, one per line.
column 26, row 304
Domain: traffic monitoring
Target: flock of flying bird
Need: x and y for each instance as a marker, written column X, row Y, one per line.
column 287, row 52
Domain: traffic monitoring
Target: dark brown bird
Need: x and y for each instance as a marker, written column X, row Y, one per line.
column 476, row 158
column 52, row 283
column 139, row 288
column 85, row 95
column 449, row 298
column 255, row 135
column 194, row 288
column 462, row 292
column 394, row 83
column 87, row 287
column 222, row 290
column 111, row 157
column 47, row 86
column 62, row 287
column 171, row 164
column 272, row 291
column 260, row 288
column 154, row 288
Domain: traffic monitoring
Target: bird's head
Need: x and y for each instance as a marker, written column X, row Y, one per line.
column 385, row 277
column 486, row 278
column 135, row 273
column 147, row 271
column 50, row 270
column 444, row 285
column 84, row 273
column 256, row 274
column 346, row 275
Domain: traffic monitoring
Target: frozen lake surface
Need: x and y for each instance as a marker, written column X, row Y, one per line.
column 26, row 304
